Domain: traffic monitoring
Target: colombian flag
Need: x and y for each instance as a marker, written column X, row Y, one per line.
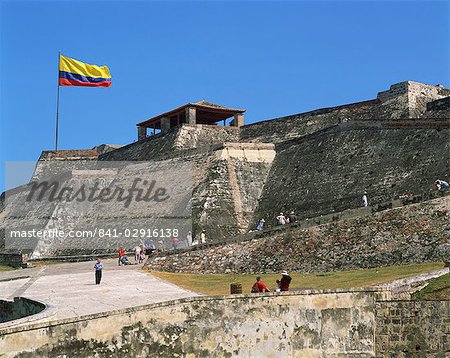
column 76, row 73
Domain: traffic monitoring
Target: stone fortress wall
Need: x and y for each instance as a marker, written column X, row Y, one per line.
column 325, row 159
column 350, row 323
column 329, row 171
column 314, row 163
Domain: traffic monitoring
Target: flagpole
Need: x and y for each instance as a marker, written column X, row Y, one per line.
column 57, row 106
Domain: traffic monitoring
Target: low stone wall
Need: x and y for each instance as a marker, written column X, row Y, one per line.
column 303, row 324
column 438, row 109
column 150, row 148
column 413, row 329
column 411, row 234
column 199, row 135
column 13, row 259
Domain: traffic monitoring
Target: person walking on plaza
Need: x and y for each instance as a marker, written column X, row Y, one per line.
column 142, row 253
column 98, row 271
column 285, row 281
column 259, row 286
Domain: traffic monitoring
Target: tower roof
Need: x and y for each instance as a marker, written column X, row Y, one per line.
column 207, row 113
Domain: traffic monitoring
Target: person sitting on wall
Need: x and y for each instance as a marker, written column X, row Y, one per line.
column 149, row 247
column 285, row 281
column 259, row 286
column 442, row 185
column 175, row 243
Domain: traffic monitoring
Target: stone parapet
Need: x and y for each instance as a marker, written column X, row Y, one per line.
column 325, row 323
column 412, row 329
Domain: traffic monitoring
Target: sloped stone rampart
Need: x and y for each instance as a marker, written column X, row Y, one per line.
column 412, row 234
column 329, row 171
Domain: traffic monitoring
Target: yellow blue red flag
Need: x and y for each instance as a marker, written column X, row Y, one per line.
column 76, row 73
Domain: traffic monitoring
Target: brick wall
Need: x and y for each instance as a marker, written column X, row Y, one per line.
column 413, row 329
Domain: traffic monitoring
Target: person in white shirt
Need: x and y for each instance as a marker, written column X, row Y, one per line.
column 137, row 253
column 189, row 239
column 281, row 219
column 364, row 200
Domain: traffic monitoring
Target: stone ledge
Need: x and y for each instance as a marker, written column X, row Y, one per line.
column 9, row 330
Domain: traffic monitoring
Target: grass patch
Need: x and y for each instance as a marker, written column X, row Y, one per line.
column 437, row 290
column 219, row 284
column 7, row 268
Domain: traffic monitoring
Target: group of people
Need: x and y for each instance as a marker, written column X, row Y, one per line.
column 143, row 249
column 139, row 256
column 282, row 284
column 193, row 241
column 283, row 219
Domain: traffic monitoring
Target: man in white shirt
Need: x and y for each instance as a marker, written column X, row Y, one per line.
column 365, row 201
column 137, row 253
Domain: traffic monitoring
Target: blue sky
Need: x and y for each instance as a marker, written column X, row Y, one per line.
column 271, row 58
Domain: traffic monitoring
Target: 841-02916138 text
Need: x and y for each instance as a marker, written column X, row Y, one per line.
column 139, row 233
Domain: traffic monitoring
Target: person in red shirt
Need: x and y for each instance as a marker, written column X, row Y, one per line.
column 121, row 253
column 259, row 286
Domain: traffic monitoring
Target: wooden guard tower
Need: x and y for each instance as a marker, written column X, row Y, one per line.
column 200, row 112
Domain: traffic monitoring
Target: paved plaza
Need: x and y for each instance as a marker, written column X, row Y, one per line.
column 70, row 287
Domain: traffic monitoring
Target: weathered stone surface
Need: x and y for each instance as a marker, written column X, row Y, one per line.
column 413, row 329
column 325, row 159
column 329, row 171
column 439, row 108
column 308, row 324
